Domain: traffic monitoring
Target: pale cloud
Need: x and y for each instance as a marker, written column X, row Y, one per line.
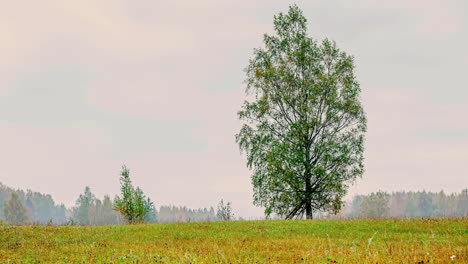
column 161, row 97
column 437, row 19
column 84, row 32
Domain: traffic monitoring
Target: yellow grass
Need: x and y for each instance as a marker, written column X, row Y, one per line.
column 318, row 241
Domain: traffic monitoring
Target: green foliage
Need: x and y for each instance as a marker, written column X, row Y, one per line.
column 225, row 211
column 132, row 202
column 303, row 130
column 14, row 210
column 141, row 208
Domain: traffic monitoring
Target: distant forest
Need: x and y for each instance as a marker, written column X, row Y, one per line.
column 406, row 205
column 41, row 208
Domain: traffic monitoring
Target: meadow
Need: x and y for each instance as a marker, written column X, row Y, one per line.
column 317, row 241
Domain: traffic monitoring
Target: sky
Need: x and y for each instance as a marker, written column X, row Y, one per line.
column 87, row 86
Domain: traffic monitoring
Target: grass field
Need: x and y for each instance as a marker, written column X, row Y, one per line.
column 344, row 241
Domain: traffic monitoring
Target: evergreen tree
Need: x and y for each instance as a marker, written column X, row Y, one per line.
column 83, row 206
column 29, row 206
column 108, row 215
column 131, row 203
column 151, row 215
column 140, row 205
column 462, row 206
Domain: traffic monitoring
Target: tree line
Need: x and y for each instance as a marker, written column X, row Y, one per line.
column 131, row 206
column 29, row 206
column 406, row 205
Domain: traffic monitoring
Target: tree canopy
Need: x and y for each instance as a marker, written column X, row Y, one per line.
column 303, row 122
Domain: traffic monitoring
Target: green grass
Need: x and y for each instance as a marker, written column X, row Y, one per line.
column 343, row 241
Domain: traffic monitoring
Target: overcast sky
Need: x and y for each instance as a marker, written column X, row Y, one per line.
column 86, row 86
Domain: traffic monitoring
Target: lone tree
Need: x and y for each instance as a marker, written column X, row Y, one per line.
column 304, row 124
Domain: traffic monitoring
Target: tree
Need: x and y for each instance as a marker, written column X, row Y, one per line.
column 29, row 206
column 375, row 205
column 131, row 204
column 141, row 208
column 108, row 215
column 15, row 211
column 426, row 206
column 125, row 204
column 225, row 211
column 411, row 207
column 355, row 205
column 462, row 206
column 151, row 215
column 81, row 212
column 304, row 125
column 441, row 204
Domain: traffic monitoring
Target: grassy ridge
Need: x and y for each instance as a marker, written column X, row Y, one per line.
column 357, row 241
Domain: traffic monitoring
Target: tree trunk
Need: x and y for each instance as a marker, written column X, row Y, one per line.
column 308, row 203
column 308, row 208
column 308, row 184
